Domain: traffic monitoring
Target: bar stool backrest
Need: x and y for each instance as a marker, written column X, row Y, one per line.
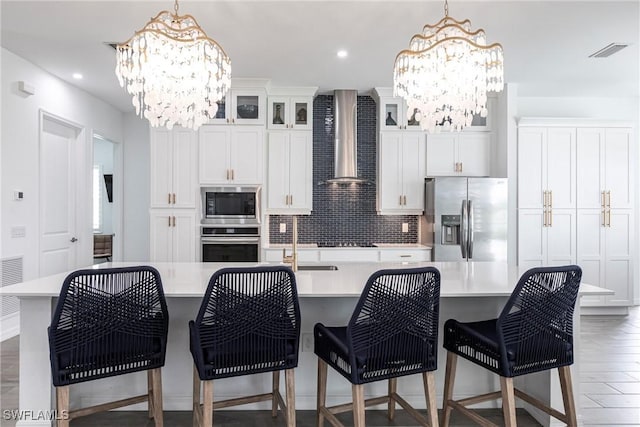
column 536, row 325
column 108, row 322
column 248, row 322
column 394, row 328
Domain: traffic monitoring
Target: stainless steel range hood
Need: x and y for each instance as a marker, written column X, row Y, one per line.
column 346, row 143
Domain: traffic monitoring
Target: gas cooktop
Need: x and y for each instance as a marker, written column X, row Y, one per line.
column 346, row 245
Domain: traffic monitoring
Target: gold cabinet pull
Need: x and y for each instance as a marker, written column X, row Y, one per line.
column 169, row 220
column 232, row 175
column 550, row 218
column 227, row 120
column 550, row 200
column 174, row 221
column 602, row 200
column 544, row 200
column 227, row 174
column 174, row 198
column 609, row 199
column 400, row 200
column 460, row 166
column 608, row 217
column 169, row 198
column 604, row 217
column 405, row 200
column 544, row 218
column 291, row 198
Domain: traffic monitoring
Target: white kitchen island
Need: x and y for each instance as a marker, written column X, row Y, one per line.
column 469, row 291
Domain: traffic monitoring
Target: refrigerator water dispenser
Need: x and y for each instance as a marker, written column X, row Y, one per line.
column 450, row 230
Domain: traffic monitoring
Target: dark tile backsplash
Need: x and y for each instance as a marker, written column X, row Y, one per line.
column 344, row 213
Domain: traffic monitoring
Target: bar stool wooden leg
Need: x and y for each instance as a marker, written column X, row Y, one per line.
column 207, row 403
column 567, row 395
column 508, row 402
column 197, row 411
column 357, row 391
column 62, row 405
column 429, row 380
column 449, row 378
column 156, row 390
column 291, row 397
column 150, row 393
column 391, row 409
column 322, row 391
column 275, row 389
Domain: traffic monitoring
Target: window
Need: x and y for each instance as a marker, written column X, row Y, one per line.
column 97, row 199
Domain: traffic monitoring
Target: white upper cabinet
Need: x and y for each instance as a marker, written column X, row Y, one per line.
column 604, row 165
column 546, row 167
column 293, row 113
column 242, row 107
column 459, row 154
column 289, row 175
column 231, row 155
column 173, row 155
column 401, row 173
column 393, row 115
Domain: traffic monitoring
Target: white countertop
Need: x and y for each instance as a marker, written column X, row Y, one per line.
column 458, row 279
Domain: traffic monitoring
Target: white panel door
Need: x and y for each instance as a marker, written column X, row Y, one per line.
column 246, row 155
column 474, row 151
column 561, row 237
column 300, row 170
column 618, row 173
column 618, row 261
column 58, row 158
column 278, row 170
column 531, row 238
column 413, row 170
column 160, row 236
column 214, row 143
column 185, row 155
column 590, row 251
column 560, row 166
column 390, row 179
column 589, row 166
column 531, row 167
column 441, row 154
column 184, row 236
column 161, row 165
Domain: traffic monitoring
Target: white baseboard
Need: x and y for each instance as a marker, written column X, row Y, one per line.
column 604, row 311
column 9, row 326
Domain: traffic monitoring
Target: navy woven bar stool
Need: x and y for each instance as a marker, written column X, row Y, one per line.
column 393, row 332
column 249, row 322
column 109, row 322
column 533, row 333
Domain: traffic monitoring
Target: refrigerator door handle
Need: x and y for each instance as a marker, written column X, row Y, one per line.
column 470, row 222
column 463, row 231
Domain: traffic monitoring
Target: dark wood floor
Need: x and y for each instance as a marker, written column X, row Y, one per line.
column 609, row 383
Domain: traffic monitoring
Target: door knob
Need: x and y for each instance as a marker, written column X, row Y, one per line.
column 73, row 240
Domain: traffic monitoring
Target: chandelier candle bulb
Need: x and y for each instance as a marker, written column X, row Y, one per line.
column 446, row 74
column 175, row 73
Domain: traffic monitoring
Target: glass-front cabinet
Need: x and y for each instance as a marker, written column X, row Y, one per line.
column 290, row 113
column 242, row 106
column 394, row 115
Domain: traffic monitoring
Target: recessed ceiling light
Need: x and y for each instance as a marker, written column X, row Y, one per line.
column 77, row 76
column 342, row 53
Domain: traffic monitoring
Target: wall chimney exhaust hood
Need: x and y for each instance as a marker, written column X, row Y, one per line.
column 345, row 110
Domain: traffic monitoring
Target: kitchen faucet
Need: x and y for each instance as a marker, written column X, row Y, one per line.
column 293, row 258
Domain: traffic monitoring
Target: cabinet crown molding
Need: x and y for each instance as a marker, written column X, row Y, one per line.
column 292, row 91
column 571, row 122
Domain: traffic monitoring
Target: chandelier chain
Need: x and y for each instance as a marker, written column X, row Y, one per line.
column 446, row 8
column 176, row 7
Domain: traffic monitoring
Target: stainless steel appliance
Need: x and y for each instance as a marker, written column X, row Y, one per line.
column 467, row 218
column 230, row 243
column 231, row 205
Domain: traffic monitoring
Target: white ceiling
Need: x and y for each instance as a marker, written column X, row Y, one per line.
column 294, row 43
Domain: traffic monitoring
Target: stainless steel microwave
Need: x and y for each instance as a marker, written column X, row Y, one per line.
column 231, row 205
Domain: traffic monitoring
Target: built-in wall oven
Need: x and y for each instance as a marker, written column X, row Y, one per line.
column 230, row 229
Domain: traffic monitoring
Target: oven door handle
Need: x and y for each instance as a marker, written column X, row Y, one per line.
column 224, row 240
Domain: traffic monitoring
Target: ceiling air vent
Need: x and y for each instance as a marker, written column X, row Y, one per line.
column 608, row 50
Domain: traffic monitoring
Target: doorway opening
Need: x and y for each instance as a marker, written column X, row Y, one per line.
column 103, row 208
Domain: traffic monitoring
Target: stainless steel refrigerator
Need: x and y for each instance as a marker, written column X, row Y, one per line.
column 467, row 218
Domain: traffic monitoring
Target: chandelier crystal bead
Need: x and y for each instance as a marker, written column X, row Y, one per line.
column 446, row 73
column 175, row 73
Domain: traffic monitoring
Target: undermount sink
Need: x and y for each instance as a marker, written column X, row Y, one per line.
column 317, row 267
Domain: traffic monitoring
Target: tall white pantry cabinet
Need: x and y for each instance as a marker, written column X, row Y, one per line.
column 575, row 201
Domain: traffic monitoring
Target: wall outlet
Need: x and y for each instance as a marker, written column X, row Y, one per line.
column 283, row 227
column 405, row 227
column 307, row 341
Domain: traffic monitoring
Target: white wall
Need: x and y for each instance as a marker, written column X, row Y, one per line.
column 20, row 148
column 596, row 108
column 103, row 157
column 136, row 189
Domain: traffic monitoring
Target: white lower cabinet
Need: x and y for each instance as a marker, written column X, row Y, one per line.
column 396, row 254
column 545, row 238
column 605, row 254
column 408, row 255
column 173, row 235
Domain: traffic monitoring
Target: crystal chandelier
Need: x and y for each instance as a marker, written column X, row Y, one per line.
column 174, row 71
column 446, row 74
